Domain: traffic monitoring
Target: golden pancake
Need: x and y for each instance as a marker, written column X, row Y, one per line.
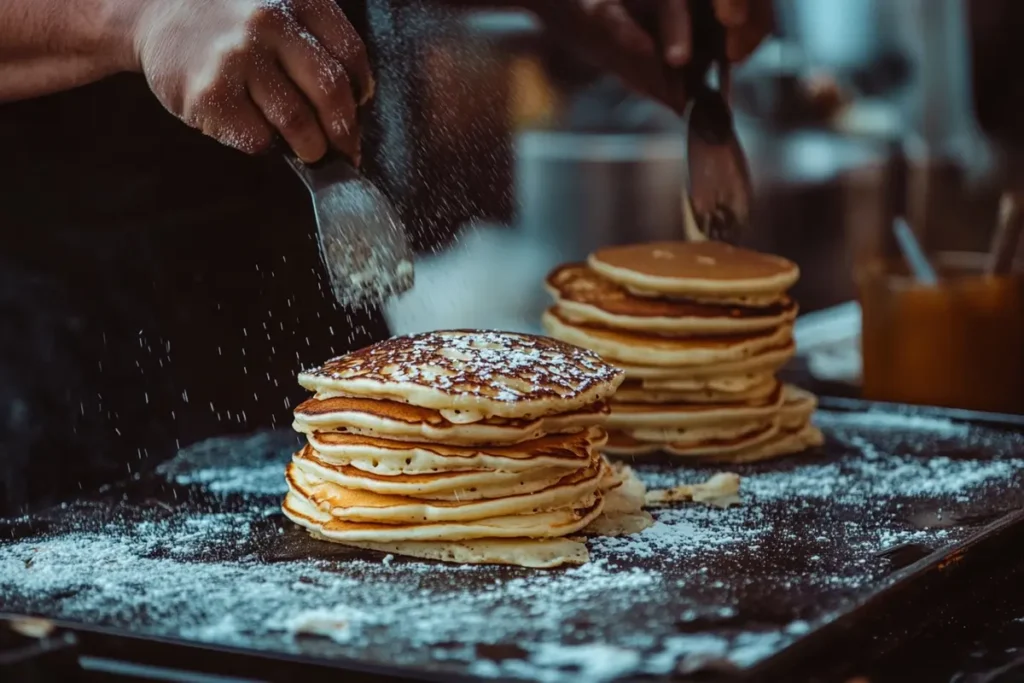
column 747, row 301
column 634, row 391
column 786, row 442
column 550, row 524
column 724, row 447
column 464, row 485
column 691, row 436
column 644, row 349
column 364, row 506
column 632, row 416
column 767, row 361
column 727, row 384
column 405, row 422
column 797, row 408
column 623, row 512
column 479, row 374
column 700, row 268
column 583, row 296
column 738, row 441
column 623, row 445
column 382, row 456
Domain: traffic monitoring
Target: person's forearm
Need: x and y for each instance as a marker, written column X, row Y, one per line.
column 51, row 45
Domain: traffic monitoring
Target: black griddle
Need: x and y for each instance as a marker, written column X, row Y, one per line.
column 835, row 556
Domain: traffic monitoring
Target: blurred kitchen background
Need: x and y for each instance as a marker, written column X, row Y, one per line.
column 517, row 155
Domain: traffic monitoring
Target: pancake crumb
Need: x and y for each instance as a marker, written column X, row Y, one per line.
column 721, row 490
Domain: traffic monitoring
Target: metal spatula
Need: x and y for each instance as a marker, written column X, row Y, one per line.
column 718, row 175
column 362, row 239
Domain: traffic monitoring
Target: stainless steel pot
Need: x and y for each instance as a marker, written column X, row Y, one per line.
column 577, row 192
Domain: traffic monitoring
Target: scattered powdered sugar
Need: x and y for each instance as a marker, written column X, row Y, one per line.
column 891, row 455
column 899, row 456
column 201, row 552
column 265, row 479
column 688, row 530
column 210, row 464
column 591, row 662
column 892, row 419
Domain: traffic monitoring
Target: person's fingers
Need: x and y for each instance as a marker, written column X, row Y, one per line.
column 732, row 13
column 762, row 14
column 625, row 33
column 226, row 113
column 248, row 131
column 741, row 42
column 288, row 112
column 335, row 33
column 632, row 53
column 325, row 84
column 674, row 25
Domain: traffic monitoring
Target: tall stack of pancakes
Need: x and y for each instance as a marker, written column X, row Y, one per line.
column 462, row 446
column 700, row 329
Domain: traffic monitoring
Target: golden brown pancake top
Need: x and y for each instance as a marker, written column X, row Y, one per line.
column 712, row 261
column 501, row 366
column 578, row 283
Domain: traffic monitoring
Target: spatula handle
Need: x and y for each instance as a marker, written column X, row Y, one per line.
column 708, row 40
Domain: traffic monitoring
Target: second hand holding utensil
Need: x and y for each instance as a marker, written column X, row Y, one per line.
column 718, row 177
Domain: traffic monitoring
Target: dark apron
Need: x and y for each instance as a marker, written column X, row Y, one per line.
column 156, row 288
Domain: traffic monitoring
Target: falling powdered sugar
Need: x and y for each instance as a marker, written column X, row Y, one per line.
column 209, row 464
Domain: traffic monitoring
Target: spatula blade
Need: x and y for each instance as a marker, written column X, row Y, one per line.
column 362, row 239
column 718, row 175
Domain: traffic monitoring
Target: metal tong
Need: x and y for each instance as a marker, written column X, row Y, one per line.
column 718, row 177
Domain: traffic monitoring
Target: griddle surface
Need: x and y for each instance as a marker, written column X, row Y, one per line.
column 199, row 551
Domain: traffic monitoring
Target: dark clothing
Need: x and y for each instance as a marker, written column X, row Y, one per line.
column 155, row 288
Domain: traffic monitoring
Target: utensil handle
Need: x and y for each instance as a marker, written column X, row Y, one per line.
column 1006, row 239
column 708, row 38
column 919, row 265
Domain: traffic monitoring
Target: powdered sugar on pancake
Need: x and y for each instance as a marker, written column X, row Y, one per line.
column 490, row 372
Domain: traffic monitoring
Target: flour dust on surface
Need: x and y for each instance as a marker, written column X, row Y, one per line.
column 200, row 551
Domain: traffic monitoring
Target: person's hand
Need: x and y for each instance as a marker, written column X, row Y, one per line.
column 638, row 38
column 246, row 71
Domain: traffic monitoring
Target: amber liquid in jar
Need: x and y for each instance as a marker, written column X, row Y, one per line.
column 959, row 345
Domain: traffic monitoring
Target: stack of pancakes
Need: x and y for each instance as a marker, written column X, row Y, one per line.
column 700, row 329
column 462, row 446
